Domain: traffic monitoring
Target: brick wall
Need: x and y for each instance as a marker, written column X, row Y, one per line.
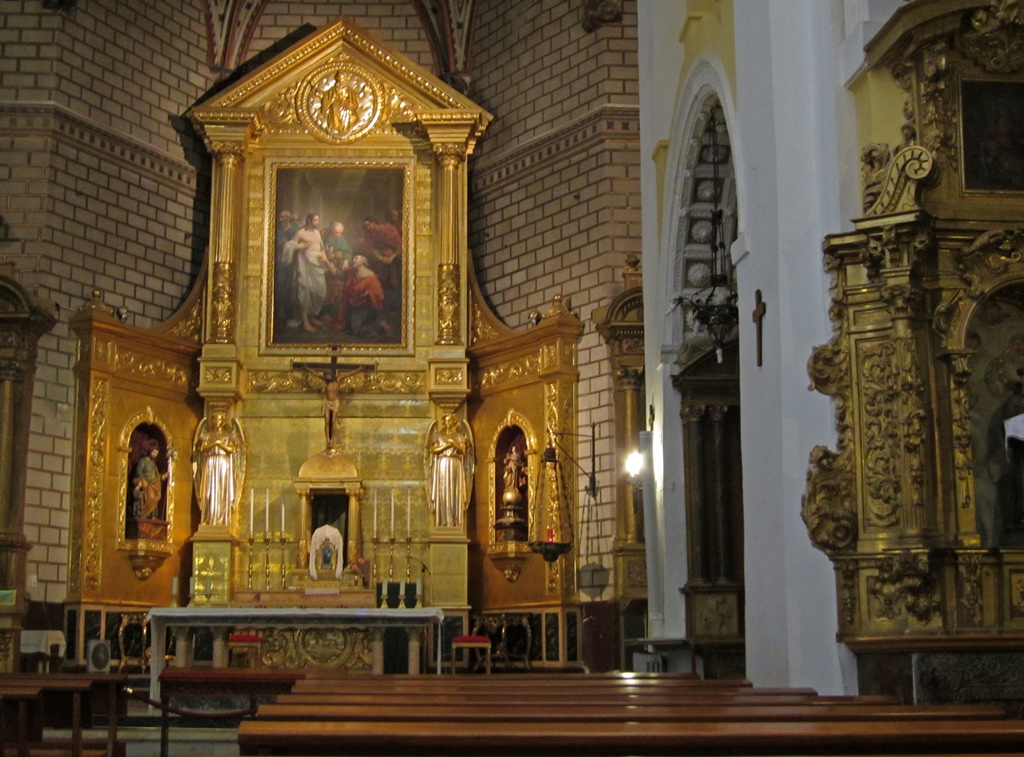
column 394, row 22
column 98, row 189
column 555, row 192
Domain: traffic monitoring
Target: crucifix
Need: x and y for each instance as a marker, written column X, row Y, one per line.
column 331, row 373
column 758, row 317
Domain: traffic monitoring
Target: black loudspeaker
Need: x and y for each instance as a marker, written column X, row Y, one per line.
column 97, row 656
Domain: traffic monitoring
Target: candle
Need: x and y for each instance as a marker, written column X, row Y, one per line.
column 551, row 534
column 282, row 516
column 251, row 497
column 392, row 512
column 266, row 514
column 408, row 514
column 174, row 587
column 375, row 513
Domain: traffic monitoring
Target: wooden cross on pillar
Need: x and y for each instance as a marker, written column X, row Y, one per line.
column 758, row 317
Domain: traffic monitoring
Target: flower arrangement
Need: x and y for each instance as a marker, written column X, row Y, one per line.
column 359, row 568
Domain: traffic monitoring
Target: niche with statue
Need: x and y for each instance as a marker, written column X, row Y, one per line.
column 511, row 523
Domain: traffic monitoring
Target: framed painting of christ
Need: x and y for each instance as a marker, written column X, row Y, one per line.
column 339, row 256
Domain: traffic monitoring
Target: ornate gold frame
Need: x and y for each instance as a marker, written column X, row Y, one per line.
column 268, row 346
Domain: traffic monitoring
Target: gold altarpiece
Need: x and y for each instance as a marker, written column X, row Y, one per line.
column 134, row 389
column 525, row 400
column 340, row 127
column 914, row 506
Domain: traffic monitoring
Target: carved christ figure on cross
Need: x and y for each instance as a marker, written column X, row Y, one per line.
column 332, row 374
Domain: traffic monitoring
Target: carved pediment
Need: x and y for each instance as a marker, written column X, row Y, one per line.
column 337, row 86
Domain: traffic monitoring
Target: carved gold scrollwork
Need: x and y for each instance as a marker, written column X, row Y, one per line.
column 996, row 40
column 221, row 306
column 448, row 303
column 963, row 456
column 828, row 508
column 829, row 371
column 92, row 543
column 939, row 120
column 881, row 432
column 904, row 584
column 990, row 257
column 970, row 582
column 914, row 427
column 900, row 189
column 848, row 591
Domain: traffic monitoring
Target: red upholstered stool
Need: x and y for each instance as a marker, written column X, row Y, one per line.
column 480, row 643
column 247, row 644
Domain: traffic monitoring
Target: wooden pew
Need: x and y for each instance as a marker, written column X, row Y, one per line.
column 69, row 701
column 611, row 712
column 556, row 699
column 647, row 739
column 230, row 683
column 21, row 719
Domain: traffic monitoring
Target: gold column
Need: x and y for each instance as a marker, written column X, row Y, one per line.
column 9, row 523
column 451, row 240
column 452, row 137
column 224, row 214
column 629, row 403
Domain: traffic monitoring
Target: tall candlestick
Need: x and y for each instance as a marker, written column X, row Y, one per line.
column 266, row 513
column 392, row 512
column 408, row 514
column 251, row 525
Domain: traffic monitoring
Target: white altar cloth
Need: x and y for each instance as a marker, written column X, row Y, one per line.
column 226, row 618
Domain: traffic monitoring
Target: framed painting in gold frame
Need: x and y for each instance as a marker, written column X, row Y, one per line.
column 992, row 122
column 339, row 259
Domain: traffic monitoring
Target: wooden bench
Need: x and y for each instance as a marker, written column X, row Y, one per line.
column 647, row 739
column 70, row 701
column 210, row 684
column 612, row 712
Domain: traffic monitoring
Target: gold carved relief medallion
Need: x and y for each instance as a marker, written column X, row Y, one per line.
column 339, row 102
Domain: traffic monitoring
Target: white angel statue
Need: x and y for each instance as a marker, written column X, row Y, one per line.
column 450, row 458
column 218, row 467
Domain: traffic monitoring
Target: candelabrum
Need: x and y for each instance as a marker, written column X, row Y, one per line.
column 248, row 582
column 266, row 561
column 373, row 567
column 284, row 567
column 391, row 558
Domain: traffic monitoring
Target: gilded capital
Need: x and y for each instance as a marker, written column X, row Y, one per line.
column 449, row 156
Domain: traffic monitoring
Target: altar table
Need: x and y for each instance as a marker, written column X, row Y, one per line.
column 222, row 619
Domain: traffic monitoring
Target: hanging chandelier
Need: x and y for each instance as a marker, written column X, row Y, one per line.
column 714, row 304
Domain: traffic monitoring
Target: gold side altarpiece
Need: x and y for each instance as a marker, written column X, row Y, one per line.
column 343, row 129
column 916, row 506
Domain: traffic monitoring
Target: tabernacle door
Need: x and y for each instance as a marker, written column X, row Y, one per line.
column 329, row 489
